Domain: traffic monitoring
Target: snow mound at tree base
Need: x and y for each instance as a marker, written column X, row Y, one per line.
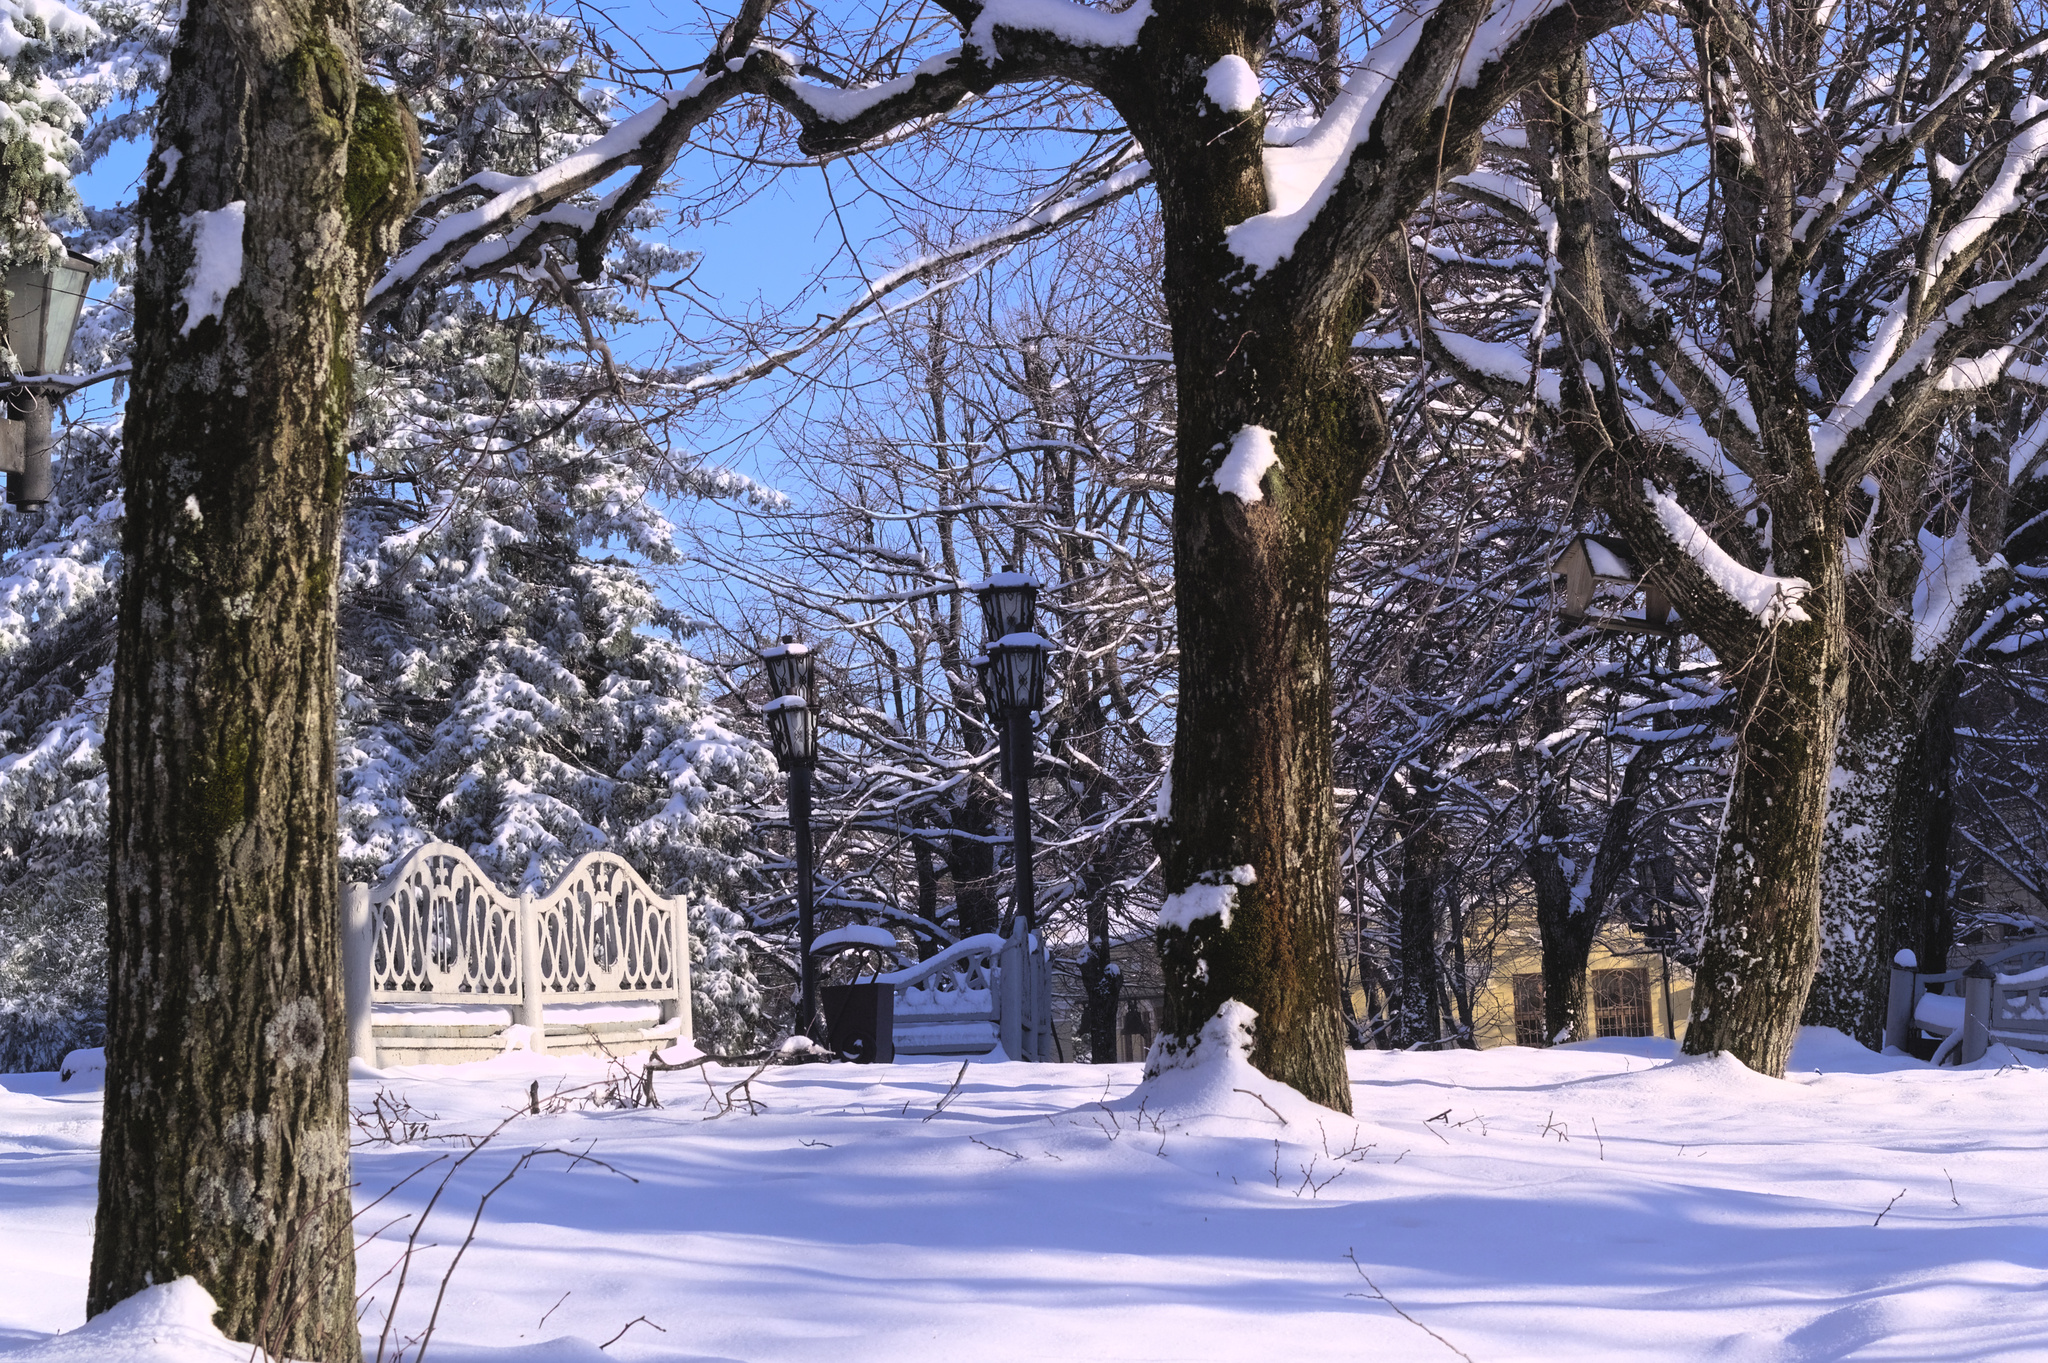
column 173, row 1323
column 169, row 1323
column 1210, row 1085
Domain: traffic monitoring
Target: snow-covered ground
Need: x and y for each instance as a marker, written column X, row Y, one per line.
column 1599, row 1201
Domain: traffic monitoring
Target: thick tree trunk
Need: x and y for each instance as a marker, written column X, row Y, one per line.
column 1884, row 877
column 1763, row 925
column 1565, row 924
column 1860, row 861
column 1571, row 903
column 225, row 1149
column 1253, row 739
column 1567, row 941
column 972, row 862
column 1926, row 915
column 1788, row 670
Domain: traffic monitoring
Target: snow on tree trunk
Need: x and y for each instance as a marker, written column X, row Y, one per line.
column 1859, row 882
column 225, row 1150
column 1254, row 547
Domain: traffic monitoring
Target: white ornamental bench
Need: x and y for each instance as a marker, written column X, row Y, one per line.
column 1996, row 999
column 978, row 993
column 461, row 970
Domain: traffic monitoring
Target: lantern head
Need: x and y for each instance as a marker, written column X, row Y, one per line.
column 43, row 307
column 1009, row 603
column 984, row 677
column 792, row 732
column 1017, row 670
column 791, row 669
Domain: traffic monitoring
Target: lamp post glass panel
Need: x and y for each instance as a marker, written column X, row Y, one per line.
column 1014, row 683
column 792, row 717
column 43, row 308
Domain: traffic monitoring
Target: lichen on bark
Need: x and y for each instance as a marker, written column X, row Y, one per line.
column 225, row 1007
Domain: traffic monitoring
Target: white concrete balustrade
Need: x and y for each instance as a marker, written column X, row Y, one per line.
column 442, row 965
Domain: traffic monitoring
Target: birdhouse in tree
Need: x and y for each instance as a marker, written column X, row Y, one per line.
column 1603, row 586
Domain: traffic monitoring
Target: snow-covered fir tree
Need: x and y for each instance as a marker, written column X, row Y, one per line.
column 511, row 680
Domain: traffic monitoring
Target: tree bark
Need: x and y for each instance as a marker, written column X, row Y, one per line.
column 1789, row 672
column 971, row 861
column 1416, row 1019
column 225, row 1150
column 1885, row 862
column 1570, row 906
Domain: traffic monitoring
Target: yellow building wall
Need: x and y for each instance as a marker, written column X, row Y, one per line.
column 1519, row 952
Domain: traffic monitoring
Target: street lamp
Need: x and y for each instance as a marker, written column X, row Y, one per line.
column 1013, row 681
column 43, row 308
column 792, row 716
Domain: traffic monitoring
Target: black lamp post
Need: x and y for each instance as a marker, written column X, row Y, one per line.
column 1014, row 683
column 793, row 733
column 43, row 308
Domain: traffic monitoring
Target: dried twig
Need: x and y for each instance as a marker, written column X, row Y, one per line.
column 997, row 1148
column 947, row 1097
column 1308, row 1183
column 1889, row 1205
column 637, row 1320
column 1377, row 1295
column 1262, row 1103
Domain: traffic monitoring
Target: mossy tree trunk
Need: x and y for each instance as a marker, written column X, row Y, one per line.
column 1749, row 535
column 1787, row 672
column 1420, row 871
column 225, row 1150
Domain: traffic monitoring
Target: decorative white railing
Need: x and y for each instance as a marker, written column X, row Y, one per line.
column 439, row 930
column 980, row 991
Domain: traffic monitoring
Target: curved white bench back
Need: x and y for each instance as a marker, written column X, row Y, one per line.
column 446, row 933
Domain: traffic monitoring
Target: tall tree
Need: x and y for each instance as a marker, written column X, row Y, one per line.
column 278, row 179
column 1266, row 279
column 1733, row 387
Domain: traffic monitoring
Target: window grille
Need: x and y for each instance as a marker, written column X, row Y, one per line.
column 1621, row 1002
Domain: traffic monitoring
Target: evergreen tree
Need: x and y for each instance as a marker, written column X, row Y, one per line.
column 510, row 679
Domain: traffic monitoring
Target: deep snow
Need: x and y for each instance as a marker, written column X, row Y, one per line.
column 1598, row 1201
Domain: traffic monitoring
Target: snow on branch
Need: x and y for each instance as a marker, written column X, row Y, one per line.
column 1949, row 575
column 1075, row 25
column 1863, row 166
column 1919, row 365
column 510, row 199
column 1772, row 600
column 2024, row 152
column 1301, row 176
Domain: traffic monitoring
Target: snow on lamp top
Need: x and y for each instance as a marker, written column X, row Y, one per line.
column 791, row 669
column 1009, row 602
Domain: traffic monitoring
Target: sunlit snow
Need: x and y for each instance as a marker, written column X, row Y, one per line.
column 1600, row 1201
